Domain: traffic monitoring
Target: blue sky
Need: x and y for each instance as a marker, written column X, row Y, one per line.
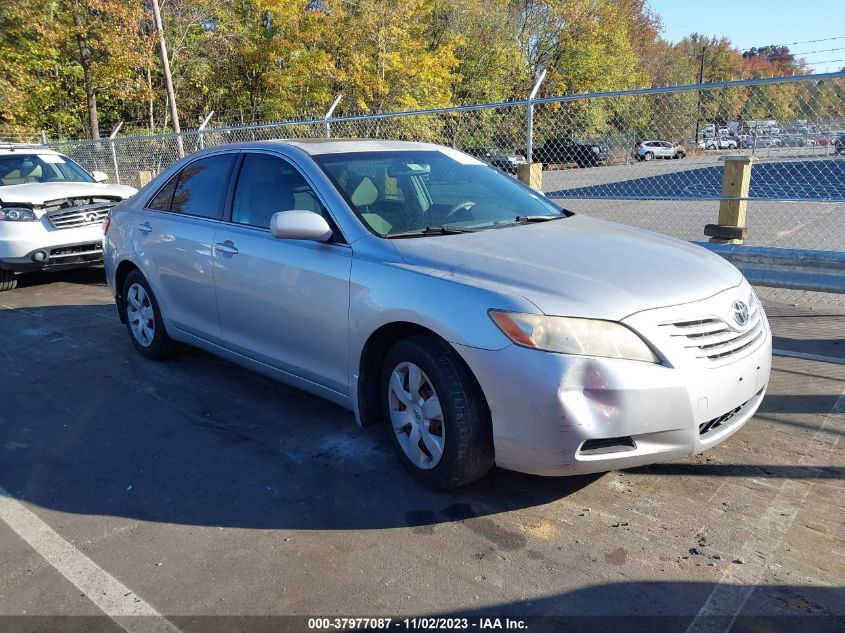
column 760, row 22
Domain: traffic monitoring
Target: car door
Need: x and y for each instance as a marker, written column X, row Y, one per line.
column 666, row 150
column 282, row 302
column 173, row 241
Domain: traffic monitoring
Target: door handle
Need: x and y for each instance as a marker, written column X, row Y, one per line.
column 145, row 227
column 227, row 248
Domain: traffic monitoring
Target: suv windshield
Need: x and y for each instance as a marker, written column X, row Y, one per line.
column 19, row 169
column 409, row 191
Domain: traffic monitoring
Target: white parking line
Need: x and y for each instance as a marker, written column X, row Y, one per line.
column 116, row 600
column 738, row 583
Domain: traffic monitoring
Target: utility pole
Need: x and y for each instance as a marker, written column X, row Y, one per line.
column 698, row 104
column 168, row 80
column 85, row 61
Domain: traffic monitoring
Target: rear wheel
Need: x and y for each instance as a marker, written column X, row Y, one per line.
column 437, row 416
column 143, row 319
column 649, row 156
column 8, row 280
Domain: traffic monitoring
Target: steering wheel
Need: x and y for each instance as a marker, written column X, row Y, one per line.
column 466, row 205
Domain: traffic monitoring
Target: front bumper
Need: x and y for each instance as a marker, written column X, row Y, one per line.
column 33, row 246
column 555, row 414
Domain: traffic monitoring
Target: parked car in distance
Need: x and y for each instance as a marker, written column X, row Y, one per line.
column 839, row 145
column 417, row 286
column 721, row 142
column 497, row 157
column 51, row 212
column 559, row 151
column 649, row 150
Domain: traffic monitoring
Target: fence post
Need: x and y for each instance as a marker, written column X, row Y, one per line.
column 328, row 115
column 144, row 177
column 202, row 127
column 43, row 137
column 529, row 173
column 113, row 152
column 736, row 181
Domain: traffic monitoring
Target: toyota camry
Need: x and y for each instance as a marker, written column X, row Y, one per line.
column 419, row 287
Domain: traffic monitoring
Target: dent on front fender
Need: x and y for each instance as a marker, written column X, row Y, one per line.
column 389, row 293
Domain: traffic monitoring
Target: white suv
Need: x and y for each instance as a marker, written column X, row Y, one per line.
column 51, row 212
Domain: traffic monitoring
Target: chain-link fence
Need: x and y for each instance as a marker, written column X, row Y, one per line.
column 652, row 158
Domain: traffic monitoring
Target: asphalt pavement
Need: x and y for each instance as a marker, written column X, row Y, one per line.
column 193, row 488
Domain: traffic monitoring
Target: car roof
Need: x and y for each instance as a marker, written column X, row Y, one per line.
column 24, row 148
column 317, row 146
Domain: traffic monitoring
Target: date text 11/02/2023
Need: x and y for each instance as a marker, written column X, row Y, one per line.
column 412, row 624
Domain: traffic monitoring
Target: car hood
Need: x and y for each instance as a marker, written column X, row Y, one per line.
column 577, row 266
column 37, row 193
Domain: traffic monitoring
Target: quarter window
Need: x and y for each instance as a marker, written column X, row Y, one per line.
column 201, row 188
column 266, row 185
column 161, row 201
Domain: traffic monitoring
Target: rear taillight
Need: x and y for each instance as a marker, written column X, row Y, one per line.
column 106, row 223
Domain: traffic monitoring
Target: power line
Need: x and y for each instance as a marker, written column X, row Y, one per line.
column 824, row 50
column 827, row 61
column 825, row 39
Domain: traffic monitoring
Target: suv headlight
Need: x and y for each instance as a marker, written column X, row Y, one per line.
column 17, row 214
column 568, row 335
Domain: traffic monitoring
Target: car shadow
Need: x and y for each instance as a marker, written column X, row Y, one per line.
column 88, row 426
column 89, row 276
column 649, row 606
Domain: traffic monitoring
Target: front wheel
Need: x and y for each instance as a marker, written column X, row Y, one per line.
column 143, row 319
column 8, row 280
column 438, row 418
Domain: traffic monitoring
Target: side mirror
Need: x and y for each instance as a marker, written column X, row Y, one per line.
column 99, row 176
column 300, row 225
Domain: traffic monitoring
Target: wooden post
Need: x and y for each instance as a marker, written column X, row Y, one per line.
column 144, row 177
column 531, row 174
column 736, row 180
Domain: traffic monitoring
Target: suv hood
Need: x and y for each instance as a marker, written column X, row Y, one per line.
column 37, row 193
column 577, row 266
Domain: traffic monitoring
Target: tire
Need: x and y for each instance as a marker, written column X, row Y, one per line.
column 649, row 156
column 465, row 437
column 151, row 340
column 8, row 280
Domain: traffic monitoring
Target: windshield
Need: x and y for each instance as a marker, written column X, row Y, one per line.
column 406, row 191
column 19, row 169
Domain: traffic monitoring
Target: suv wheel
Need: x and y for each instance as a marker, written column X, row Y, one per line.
column 438, row 419
column 143, row 319
column 648, row 155
column 8, row 281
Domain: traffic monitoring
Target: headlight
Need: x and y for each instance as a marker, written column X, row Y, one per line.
column 596, row 150
column 567, row 335
column 17, row 214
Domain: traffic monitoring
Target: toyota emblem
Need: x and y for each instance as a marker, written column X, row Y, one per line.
column 740, row 310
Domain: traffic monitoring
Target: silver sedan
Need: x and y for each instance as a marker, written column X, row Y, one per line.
column 419, row 287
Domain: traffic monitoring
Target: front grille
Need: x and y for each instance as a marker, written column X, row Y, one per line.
column 722, row 420
column 713, row 339
column 70, row 214
column 79, row 254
